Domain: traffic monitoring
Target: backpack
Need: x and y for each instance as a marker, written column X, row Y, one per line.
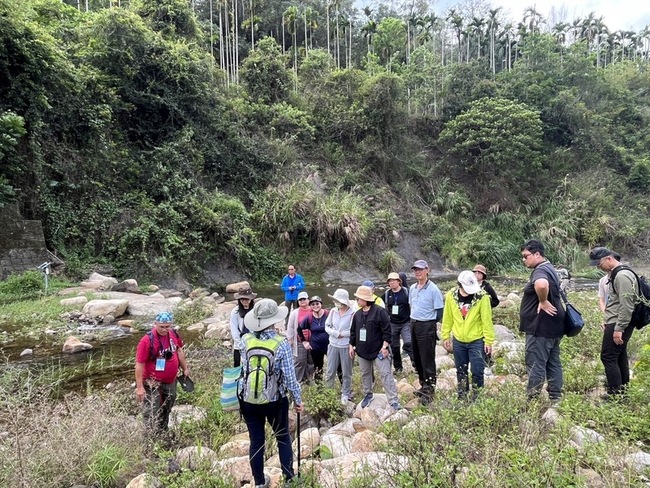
column 152, row 353
column 260, row 380
column 641, row 313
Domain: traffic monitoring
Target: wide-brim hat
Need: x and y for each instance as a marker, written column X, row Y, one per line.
column 469, row 282
column 393, row 276
column 265, row 313
column 341, row 296
column 481, row 269
column 365, row 293
column 245, row 293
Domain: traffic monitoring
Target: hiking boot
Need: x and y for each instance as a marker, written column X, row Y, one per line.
column 395, row 406
column 426, row 397
column 366, row 400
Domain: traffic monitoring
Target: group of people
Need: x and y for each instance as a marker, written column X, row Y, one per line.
column 372, row 330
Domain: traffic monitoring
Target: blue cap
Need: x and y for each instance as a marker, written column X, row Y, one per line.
column 164, row 317
column 368, row 283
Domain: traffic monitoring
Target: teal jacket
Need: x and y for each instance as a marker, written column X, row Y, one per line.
column 476, row 325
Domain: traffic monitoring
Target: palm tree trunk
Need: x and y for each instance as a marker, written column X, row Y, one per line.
column 252, row 27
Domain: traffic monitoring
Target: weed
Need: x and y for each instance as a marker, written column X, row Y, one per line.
column 106, row 465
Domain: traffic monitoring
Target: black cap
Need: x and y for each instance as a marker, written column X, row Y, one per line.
column 598, row 253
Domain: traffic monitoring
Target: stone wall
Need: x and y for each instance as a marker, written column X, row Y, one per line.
column 22, row 244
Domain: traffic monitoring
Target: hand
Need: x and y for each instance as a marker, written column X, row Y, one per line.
column 488, row 350
column 351, row 352
column 602, row 327
column 618, row 337
column 384, row 352
column 139, row 394
column 547, row 307
column 306, row 345
column 300, row 408
column 186, row 371
column 447, row 344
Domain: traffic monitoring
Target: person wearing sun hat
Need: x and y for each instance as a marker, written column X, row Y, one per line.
column 337, row 325
column 399, row 310
column 370, row 338
column 157, row 359
column 259, row 322
column 301, row 356
column 245, row 302
column 378, row 300
column 468, row 318
column 480, row 272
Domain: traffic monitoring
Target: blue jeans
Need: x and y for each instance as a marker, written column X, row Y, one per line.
column 543, row 364
column 466, row 353
column 255, row 416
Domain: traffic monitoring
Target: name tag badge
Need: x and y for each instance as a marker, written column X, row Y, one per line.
column 362, row 335
column 395, row 309
column 160, row 364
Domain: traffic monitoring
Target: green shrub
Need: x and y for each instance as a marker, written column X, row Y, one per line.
column 27, row 284
column 105, row 465
column 323, row 403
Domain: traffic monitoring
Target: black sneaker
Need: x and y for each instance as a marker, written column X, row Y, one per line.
column 366, row 400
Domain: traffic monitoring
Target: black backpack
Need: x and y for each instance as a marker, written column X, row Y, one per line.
column 641, row 313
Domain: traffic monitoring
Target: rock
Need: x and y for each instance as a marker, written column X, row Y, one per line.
column 145, row 480
column 338, row 445
column 218, row 331
column 194, row 457
column 583, row 436
column 70, row 302
column 97, row 281
column 126, row 323
column 638, row 460
column 167, row 293
column 514, row 297
column 382, row 466
column 503, row 334
column 101, row 308
column 189, row 413
column 236, row 448
column 405, row 388
column 198, row 326
column 27, row 352
column 506, row 304
column 73, row 345
column 440, row 351
column 108, row 319
column 551, row 416
column 153, row 288
column 309, row 441
column 367, row 441
column 234, row 287
column 238, row 468
column 591, row 477
column 198, row 293
column 128, row 286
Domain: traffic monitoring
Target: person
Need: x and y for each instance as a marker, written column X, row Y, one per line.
column 623, row 290
column 603, row 294
column 260, row 322
column 480, row 272
column 318, row 339
column 302, row 357
column 402, row 276
column 370, row 338
column 397, row 305
column 426, row 305
column 337, row 325
column 565, row 278
column 468, row 316
column 292, row 284
column 245, row 302
column 158, row 356
column 378, row 300
column 541, row 318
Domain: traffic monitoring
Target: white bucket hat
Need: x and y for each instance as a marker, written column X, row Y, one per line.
column 341, row 296
column 469, row 282
column 265, row 313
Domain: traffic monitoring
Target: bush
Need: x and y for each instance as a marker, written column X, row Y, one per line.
column 27, row 284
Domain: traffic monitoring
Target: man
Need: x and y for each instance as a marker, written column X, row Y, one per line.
column 426, row 305
column 541, row 317
column 302, row 357
column 266, row 313
column 370, row 338
column 397, row 305
column 623, row 290
column 291, row 285
column 158, row 356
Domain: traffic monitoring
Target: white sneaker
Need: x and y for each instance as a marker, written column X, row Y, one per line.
column 344, row 399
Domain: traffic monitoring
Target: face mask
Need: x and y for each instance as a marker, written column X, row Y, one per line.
column 338, row 305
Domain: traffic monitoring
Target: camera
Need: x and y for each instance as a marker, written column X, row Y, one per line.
column 167, row 354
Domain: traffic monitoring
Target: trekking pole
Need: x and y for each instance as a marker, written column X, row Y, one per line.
column 298, row 440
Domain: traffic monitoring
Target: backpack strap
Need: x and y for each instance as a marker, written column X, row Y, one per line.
column 615, row 272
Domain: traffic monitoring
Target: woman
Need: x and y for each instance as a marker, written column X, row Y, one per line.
column 302, row 358
column 337, row 327
column 318, row 341
column 481, row 273
column 468, row 316
column 245, row 302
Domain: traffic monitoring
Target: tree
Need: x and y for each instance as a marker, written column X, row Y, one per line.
column 390, row 37
column 265, row 74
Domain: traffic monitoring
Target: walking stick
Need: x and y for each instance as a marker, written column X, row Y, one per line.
column 298, row 440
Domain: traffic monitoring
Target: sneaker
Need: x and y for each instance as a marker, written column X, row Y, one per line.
column 344, row 399
column 366, row 400
column 267, row 482
column 395, row 406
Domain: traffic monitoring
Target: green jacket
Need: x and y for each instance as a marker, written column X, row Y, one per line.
column 476, row 325
column 622, row 299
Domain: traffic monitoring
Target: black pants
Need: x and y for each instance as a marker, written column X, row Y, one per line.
column 319, row 360
column 614, row 358
column 424, row 336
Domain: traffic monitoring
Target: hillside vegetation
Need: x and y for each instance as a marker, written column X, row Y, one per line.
column 161, row 135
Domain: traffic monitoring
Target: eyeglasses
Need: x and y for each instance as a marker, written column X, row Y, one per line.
column 301, row 299
column 526, row 256
column 417, row 270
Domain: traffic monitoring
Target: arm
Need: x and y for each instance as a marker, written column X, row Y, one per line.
column 494, row 298
column 284, row 286
column 285, row 360
column 447, row 322
column 386, row 331
column 182, row 361
column 328, row 326
column 234, row 326
column 487, row 323
column 626, row 287
column 542, row 290
column 139, row 381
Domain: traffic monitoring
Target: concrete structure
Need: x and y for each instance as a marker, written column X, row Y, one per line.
column 22, row 243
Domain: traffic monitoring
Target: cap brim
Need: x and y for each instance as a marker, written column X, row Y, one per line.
column 594, row 262
column 470, row 290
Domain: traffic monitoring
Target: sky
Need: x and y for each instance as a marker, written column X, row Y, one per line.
column 617, row 15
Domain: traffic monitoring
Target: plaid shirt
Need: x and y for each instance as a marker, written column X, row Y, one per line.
column 284, row 361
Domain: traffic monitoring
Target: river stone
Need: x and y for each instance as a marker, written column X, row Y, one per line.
column 126, row 323
column 153, row 288
column 27, row 352
column 73, row 345
column 639, row 460
column 234, row 287
column 145, row 480
column 338, row 445
column 503, row 334
column 445, row 362
column 101, row 308
column 583, row 436
column 66, row 302
column 218, row 331
column 236, row 448
column 506, row 304
column 193, row 457
column 237, row 467
column 108, row 319
column 367, row 441
column 128, row 286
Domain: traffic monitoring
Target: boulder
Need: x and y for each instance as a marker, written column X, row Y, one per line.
column 367, row 441
column 189, row 413
column 153, row 288
column 583, row 436
column 101, row 308
column 198, row 326
column 234, row 287
column 309, row 441
column 339, row 445
column 219, row 331
column 236, row 448
column 639, row 460
column 193, row 457
column 503, row 334
column 126, row 323
column 128, row 286
column 73, row 345
column 376, row 468
column 145, row 480
column 74, row 301
column 444, row 362
column 97, row 281
column 238, row 468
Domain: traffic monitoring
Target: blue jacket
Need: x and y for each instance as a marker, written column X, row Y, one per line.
column 288, row 282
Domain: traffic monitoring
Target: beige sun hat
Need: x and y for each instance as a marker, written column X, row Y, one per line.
column 265, row 313
column 393, row 276
column 342, row 296
column 365, row 293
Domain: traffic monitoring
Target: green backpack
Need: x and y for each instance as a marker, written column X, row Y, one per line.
column 260, row 380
